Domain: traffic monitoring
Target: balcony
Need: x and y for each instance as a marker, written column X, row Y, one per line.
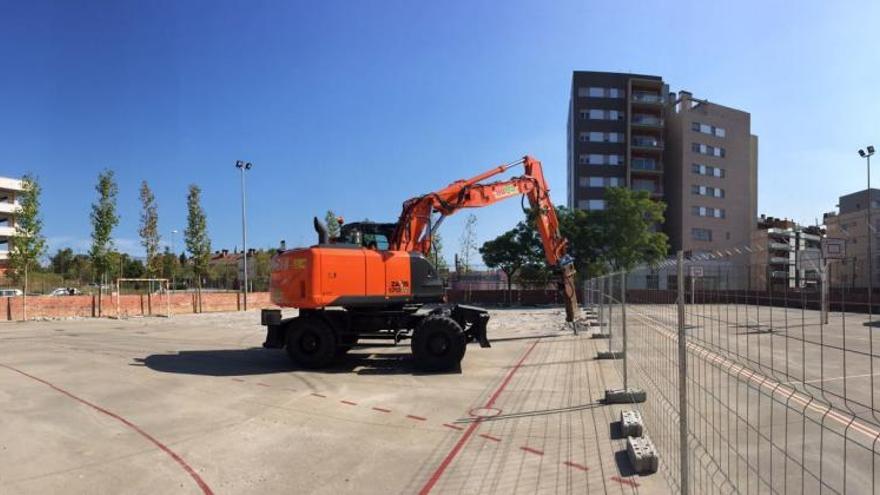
column 779, row 274
column 646, row 165
column 643, row 120
column 647, row 98
column 648, row 186
column 647, row 142
column 10, row 208
column 779, row 260
column 779, row 246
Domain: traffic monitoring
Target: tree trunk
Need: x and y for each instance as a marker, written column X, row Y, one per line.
column 100, row 293
column 24, row 296
column 509, row 288
column 199, row 292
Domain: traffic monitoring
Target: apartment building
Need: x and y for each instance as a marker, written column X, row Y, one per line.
column 615, row 135
column 850, row 223
column 711, row 177
column 784, row 255
column 9, row 190
column 700, row 158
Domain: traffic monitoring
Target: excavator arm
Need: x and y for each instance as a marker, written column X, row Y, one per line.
column 415, row 229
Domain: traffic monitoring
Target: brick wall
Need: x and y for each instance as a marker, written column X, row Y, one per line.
column 129, row 305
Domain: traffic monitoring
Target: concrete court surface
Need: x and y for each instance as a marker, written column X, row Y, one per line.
column 193, row 405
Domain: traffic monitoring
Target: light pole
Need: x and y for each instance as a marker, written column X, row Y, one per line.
column 242, row 166
column 176, row 259
column 867, row 156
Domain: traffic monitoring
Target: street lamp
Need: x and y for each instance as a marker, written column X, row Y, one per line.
column 867, row 156
column 242, row 166
column 174, row 253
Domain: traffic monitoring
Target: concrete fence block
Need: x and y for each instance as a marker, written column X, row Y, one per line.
column 642, row 455
column 625, row 396
column 631, row 424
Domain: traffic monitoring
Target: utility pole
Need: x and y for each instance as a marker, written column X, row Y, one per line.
column 173, row 253
column 243, row 166
column 867, row 157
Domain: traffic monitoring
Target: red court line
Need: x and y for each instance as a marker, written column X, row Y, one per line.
column 350, row 403
column 319, row 395
column 532, row 451
column 473, row 426
column 452, row 426
column 623, row 481
column 576, row 465
column 382, row 409
column 237, row 380
column 179, row 460
column 417, row 418
column 490, row 437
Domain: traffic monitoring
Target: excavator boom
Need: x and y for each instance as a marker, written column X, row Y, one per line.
column 414, row 227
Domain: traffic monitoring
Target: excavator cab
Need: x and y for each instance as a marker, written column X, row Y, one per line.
column 371, row 235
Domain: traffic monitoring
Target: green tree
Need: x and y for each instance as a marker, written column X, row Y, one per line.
column 630, row 238
column 28, row 243
column 196, row 236
column 617, row 238
column 513, row 250
column 437, row 258
column 61, row 262
column 332, row 222
column 149, row 230
column 104, row 220
column 467, row 243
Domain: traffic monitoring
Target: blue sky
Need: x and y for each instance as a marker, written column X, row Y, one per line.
column 357, row 106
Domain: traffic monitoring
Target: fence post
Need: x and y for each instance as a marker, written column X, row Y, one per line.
column 623, row 326
column 682, row 380
column 610, row 310
column 600, row 286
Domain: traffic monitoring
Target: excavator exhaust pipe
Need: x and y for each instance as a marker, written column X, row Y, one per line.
column 321, row 229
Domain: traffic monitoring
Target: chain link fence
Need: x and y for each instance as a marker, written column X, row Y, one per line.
column 756, row 381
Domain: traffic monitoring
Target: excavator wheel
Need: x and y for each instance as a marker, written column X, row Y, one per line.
column 311, row 343
column 438, row 343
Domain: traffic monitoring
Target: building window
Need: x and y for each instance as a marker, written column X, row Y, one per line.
column 705, row 149
column 701, row 234
column 715, row 192
column 595, row 92
column 708, row 129
column 700, row 169
column 601, row 181
column 600, row 159
column 596, row 204
column 606, row 137
column 602, row 114
column 707, row 211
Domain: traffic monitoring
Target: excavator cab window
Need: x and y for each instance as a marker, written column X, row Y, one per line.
column 370, row 235
column 376, row 241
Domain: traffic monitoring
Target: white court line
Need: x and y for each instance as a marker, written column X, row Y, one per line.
column 819, row 380
column 787, row 393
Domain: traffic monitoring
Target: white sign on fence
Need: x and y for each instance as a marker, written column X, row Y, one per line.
column 696, row 271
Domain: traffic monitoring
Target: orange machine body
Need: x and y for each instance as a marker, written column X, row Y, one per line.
column 351, row 276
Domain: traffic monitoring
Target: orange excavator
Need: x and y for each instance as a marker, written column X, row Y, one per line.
column 374, row 281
